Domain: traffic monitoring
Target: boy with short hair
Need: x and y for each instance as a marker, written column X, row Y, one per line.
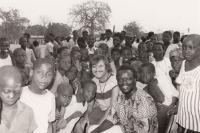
column 90, row 45
column 64, row 64
column 149, row 45
column 63, row 51
column 81, row 42
column 41, row 100
column 16, row 117
column 30, row 57
column 176, row 38
column 115, row 54
column 79, row 103
column 84, row 54
column 5, row 58
column 117, row 40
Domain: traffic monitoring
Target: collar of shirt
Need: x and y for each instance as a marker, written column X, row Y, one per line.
column 59, row 77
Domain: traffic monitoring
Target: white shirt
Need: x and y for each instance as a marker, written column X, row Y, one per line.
column 65, row 44
column 72, row 43
column 91, row 50
column 58, row 79
column 109, row 42
column 43, row 107
column 30, row 57
column 189, row 99
column 70, row 109
column 6, row 61
column 164, row 80
column 49, row 48
column 169, row 49
column 135, row 44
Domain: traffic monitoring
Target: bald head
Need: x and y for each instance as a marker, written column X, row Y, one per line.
column 64, row 88
column 193, row 38
column 10, row 74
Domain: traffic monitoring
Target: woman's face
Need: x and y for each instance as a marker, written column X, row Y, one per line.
column 99, row 70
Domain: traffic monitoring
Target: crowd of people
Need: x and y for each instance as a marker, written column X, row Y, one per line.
column 117, row 84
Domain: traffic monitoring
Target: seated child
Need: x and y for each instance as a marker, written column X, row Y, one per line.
column 63, row 98
column 64, row 64
column 115, row 54
column 84, row 55
column 79, row 103
column 147, row 73
column 81, row 43
column 5, row 58
column 41, row 100
column 91, row 48
column 20, row 59
column 16, row 117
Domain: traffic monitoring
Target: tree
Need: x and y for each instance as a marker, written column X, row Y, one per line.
column 134, row 28
column 93, row 15
column 36, row 30
column 13, row 25
column 44, row 20
column 58, row 29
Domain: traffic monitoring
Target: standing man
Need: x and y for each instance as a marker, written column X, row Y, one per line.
column 109, row 40
column 29, row 45
column 85, row 36
column 73, row 40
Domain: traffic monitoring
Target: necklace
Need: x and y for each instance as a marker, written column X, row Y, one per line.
column 162, row 68
column 102, row 90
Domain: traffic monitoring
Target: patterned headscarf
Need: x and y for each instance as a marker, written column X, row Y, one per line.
column 176, row 52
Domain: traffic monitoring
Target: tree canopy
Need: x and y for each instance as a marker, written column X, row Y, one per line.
column 13, row 25
column 36, row 30
column 134, row 28
column 92, row 15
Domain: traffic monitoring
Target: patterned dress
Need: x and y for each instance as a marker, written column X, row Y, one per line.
column 137, row 114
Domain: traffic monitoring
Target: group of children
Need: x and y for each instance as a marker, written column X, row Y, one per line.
column 52, row 94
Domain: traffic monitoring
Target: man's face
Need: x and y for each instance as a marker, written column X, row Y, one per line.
column 176, row 63
column 75, row 34
column 126, row 81
column 154, row 38
column 108, row 35
column 91, row 41
column 116, row 41
column 157, row 51
column 65, row 63
column 129, row 40
column 176, row 38
column 99, row 70
column 126, row 54
column 166, row 38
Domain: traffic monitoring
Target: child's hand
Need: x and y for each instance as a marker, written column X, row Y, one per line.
column 172, row 111
column 78, row 65
column 77, row 114
column 172, row 74
column 158, row 106
column 57, row 115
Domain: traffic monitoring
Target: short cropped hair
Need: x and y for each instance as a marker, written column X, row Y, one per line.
column 86, row 82
column 159, row 43
column 35, row 43
column 150, row 65
column 16, row 50
column 109, row 31
column 84, row 32
column 150, row 34
column 115, row 50
column 98, row 58
column 126, row 48
column 61, row 49
column 177, row 33
column 168, row 32
column 27, row 34
column 119, row 35
column 127, row 67
column 40, row 61
column 3, row 40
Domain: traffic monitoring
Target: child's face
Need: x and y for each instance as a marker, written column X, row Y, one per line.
column 190, row 49
column 146, row 75
column 64, row 98
column 65, row 63
column 84, row 66
column 42, row 76
column 126, row 54
column 154, row 38
column 89, row 92
column 5, row 46
column 129, row 40
column 149, row 46
column 104, row 49
column 157, row 51
column 82, row 44
column 23, row 42
column 116, row 41
column 10, row 91
column 116, row 55
column 65, row 52
column 142, row 48
column 84, row 54
column 72, row 73
column 144, row 57
column 176, row 38
column 86, row 75
column 20, row 57
column 76, row 56
column 166, row 38
column 176, row 63
column 91, row 41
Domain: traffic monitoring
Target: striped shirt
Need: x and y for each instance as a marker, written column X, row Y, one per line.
column 104, row 91
column 189, row 99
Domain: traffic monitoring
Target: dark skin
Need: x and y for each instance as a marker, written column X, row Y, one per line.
column 166, row 40
column 4, row 46
column 127, row 84
column 158, row 52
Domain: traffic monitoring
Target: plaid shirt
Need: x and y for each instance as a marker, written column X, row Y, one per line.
column 137, row 114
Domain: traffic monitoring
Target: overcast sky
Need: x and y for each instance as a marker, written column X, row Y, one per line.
column 153, row 15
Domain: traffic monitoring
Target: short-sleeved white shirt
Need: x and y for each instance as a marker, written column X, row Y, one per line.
column 7, row 61
column 43, row 107
column 49, row 48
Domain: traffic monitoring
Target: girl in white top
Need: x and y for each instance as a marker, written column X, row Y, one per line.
column 5, row 58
